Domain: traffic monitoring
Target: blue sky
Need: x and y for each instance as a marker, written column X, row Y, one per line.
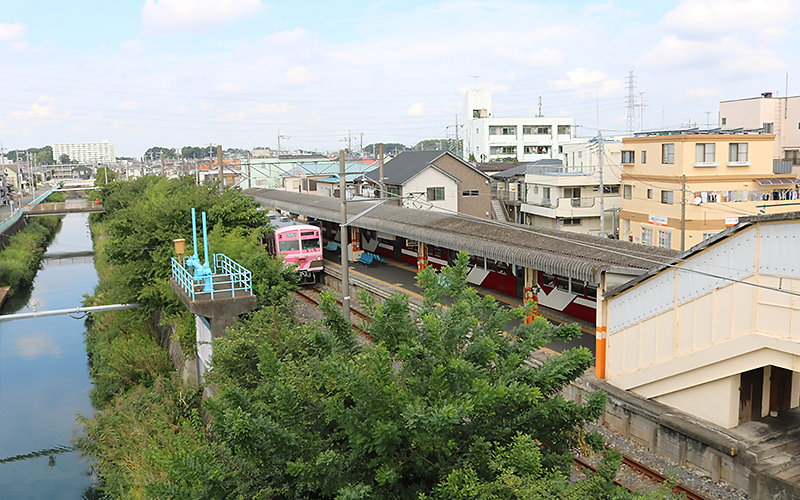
column 174, row 73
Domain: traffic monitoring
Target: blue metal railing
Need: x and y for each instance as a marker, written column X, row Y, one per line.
column 4, row 225
column 227, row 277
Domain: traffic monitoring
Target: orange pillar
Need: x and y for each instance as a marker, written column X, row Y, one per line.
column 600, row 352
column 422, row 256
column 528, row 292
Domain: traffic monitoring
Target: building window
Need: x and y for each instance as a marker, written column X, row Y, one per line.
column 563, row 129
column 704, row 152
column 707, row 236
column 575, row 195
column 666, row 197
column 471, row 192
column 503, row 150
column 503, row 130
column 536, row 129
column 611, row 189
column 435, row 194
column 571, row 221
column 792, row 154
column 647, row 236
column 537, row 150
column 628, row 157
column 649, row 194
column 737, row 152
column 668, row 153
column 724, row 121
column 535, row 189
column 767, row 128
column 545, row 196
column 664, row 239
column 626, row 191
column 644, row 156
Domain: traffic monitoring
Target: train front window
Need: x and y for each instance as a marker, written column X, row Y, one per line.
column 311, row 244
column 289, row 245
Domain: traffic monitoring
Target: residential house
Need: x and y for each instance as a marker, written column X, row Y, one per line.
column 436, row 180
column 681, row 187
column 716, row 332
column 775, row 115
column 487, row 138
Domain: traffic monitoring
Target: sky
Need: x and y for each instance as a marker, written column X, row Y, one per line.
column 174, row 73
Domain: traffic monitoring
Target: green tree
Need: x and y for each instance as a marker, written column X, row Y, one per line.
column 104, row 175
column 156, row 153
column 444, row 398
column 64, row 159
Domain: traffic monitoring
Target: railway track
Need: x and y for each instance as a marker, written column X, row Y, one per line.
column 311, row 295
column 656, row 477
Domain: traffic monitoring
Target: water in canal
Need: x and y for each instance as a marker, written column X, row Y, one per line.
column 44, row 377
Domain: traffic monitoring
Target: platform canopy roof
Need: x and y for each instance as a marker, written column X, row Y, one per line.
column 578, row 256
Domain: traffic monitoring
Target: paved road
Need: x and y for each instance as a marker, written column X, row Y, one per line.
column 5, row 210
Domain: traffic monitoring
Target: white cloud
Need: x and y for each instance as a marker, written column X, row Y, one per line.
column 701, row 93
column 128, row 105
column 232, row 117
column 36, row 345
column 587, row 84
column 275, row 109
column 753, row 19
column 42, row 108
column 542, row 57
column 134, row 46
column 116, row 124
column 158, row 15
column 206, row 106
column 300, row 75
column 11, row 31
column 18, row 46
column 415, row 109
column 232, row 87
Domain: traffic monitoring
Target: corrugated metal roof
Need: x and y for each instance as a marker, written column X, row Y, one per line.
column 563, row 253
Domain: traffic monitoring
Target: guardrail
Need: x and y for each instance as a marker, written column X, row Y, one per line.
column 15, row 216
column 226, row 279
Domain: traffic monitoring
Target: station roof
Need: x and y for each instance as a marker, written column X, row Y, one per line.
column 578, row 256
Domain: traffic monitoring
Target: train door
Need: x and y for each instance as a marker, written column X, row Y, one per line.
column 398, row 248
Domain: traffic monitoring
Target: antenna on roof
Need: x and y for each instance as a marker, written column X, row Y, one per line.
column 476, row 80
column 540, row 108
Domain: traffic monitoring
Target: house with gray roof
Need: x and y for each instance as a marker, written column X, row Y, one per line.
column 436, row 180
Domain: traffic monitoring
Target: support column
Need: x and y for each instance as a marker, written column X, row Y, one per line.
column 530, row 292
column 422, row 256
column 600, row 330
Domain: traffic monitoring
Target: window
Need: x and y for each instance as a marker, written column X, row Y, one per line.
column 626, row 191
column 545, row 196
column 536, row 129
column 737, row 152
column 562, row 283
column 435, row 194
column 471, row 192
column 563, row 129
column 503, row 150
column 571, row 221
column 664, row 239
column 548, row 280
column 512, row 130
column 707, row 236
column 289, row 245
column 666, row 197
column 611, row 189
column 644, row 156
column 649, row 194
column 578, row 287
column 647, row 236
column 704, row 152
column 724, row 121
column 668, row 153
column 628, row 157
column 767, row 128
column 535, row 189
column 575, row 194
column 792, row 154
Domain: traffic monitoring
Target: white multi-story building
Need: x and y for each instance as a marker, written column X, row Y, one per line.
column 488, row 138
column 776, row 115
column 87, row 152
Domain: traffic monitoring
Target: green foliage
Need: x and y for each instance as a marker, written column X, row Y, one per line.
column 65, row 160
column 443, row 405
column 156, row 153
column 57, row 197
column 389, row 148
column 19, row 261
column 103, row 176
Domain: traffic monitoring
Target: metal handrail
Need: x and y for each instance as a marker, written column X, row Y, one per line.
column 226, row 276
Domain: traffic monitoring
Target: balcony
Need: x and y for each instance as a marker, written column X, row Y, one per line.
column 572, row 207
column 560, row 170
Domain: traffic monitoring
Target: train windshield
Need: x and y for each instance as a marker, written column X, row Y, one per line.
column 289, row 245
column 311, row 244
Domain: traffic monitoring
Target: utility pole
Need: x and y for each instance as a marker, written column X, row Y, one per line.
column 361, row 147
column 381, row 174
column 343, row 230
column 683, row 212
column 221, row 176
column 458, row 145
column 602, row 197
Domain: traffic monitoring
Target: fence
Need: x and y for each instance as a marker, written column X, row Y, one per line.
column 226, row 279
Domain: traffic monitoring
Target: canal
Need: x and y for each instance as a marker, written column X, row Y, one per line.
column 44, row 377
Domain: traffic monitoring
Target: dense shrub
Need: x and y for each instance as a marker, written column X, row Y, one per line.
column 20, row 260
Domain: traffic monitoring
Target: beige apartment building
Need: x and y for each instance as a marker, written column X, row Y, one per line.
column 680, row 188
